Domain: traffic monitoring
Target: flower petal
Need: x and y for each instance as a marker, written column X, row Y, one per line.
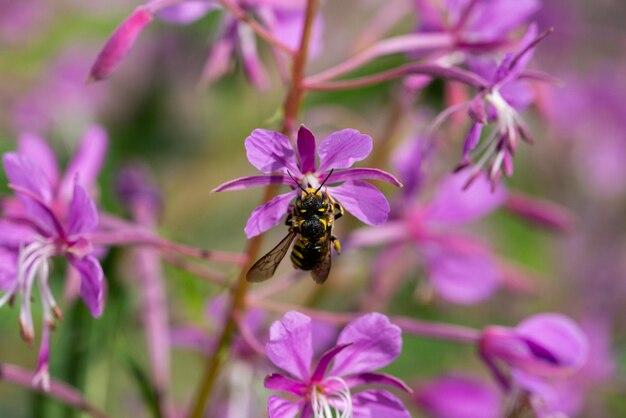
column 278, row 407
column 277, row 381
column 458, row 396
column 362, row 200
column 271, row 152
column 269, row 214
column 343, row 148
column 376, row 379
column 454, row 205
column 462, row 276
column 253, row 181
column 408, row 161
column 87, row 162
column 324, row 362
column 120, row 43
column 219, row 59
column 363, row 174
column 558, row 337
column 91, row 282
column 82, row 215
column 254, row 69
column 8, row 269
column 290, row 346
column 375, row 343
column 490, row 21
column 23, row 173
column 38, row 151
column 306, row 150
column 378, row 403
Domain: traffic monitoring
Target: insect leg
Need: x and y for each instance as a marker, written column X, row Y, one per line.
column 336, row 244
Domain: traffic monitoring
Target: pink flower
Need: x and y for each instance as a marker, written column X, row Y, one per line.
column 272, row 153
column 364, row 345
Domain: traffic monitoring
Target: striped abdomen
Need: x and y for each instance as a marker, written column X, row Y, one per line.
column 306, row 255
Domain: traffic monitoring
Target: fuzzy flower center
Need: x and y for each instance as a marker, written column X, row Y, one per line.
column 333, row 394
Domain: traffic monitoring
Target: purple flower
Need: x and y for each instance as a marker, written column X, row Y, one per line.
column 459, row 396
column 50, row 217
column 366, row 344
column 540, row 351
column 499, row 104
column 460, row 268
column 545, row 345
column 272, row 153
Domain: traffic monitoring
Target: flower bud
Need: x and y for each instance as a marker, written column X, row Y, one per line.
column 119, row 44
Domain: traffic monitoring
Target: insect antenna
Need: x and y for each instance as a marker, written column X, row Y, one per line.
column 327, row 177
column 296, row 181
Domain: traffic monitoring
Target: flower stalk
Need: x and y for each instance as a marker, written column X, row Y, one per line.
column 58, row 390
column 238, row 292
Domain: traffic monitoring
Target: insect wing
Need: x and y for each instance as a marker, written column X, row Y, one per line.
column 266, row 266
column 322, row 269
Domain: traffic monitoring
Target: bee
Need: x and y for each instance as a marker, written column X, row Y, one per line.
column 311, row 220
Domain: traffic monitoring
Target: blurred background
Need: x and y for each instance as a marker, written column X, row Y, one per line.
column 190, row 137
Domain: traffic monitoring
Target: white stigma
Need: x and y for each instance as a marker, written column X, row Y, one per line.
column 338, row 399
column 310, row 180
column 32, row 265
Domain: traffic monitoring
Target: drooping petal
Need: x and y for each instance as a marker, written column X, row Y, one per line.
column 471, row 140
column 91, row 282
column 363, row 174
column 459, row 396
column 271, row 152
column 253, row 181
column 120, row 43
column 290, row 346
column 186, row 12
column 87, row 162
column 362, row 200
column 306, row 150
column 343, row 148
column 277, row 381
column 38, row 150
column 454, row 205
column 375, row 403
column 375, row 344
column 378, row 379
column 82, row 215
column 462, row 276
column 278, row 407
column 269, row 214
